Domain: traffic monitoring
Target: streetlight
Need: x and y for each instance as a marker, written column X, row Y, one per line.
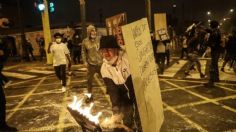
column 208, row 13
column 224, row 19
column 209, row 20
column 231, row 10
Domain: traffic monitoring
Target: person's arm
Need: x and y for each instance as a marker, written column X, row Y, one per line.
column 69, row 62
column 67, row 54
column 49, row 47
column 84, row 53
column 112, row 91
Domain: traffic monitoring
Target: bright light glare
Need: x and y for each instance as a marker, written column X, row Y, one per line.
column 41, row 7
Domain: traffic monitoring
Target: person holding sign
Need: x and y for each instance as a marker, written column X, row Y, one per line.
column 116, row 74
column 161, row 53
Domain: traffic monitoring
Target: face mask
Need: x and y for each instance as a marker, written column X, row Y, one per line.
column 58, row 40
column 113, row 60
column 93, row 36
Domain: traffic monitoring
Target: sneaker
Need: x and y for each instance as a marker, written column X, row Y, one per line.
column 193, row 68
column 7, row 128
column 89, row 99
column 63, row 89
column 186, row 74
column 69, row 73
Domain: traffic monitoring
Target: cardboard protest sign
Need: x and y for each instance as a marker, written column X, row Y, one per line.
column 160, row 26
column 114, row 24
column 144, row 74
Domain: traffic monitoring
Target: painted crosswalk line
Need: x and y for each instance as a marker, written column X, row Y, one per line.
column 195, row 74
column 18, row 75
column 83, row 69
column 40, row 71
column 171, row 71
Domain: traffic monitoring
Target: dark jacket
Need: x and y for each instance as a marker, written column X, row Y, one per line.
column 193, row 45
column 214, row 39
column 119, row 93
column 231, row 45
column 3, row 58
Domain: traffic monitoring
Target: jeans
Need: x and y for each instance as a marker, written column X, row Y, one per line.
column 60, row 72
column 92, row 69
column 214, row 71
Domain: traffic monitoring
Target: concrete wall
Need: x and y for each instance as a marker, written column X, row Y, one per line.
column 32, row 37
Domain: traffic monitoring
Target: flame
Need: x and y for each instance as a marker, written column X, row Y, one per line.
column 86, row 111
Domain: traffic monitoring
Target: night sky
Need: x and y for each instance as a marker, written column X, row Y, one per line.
column 67, row 11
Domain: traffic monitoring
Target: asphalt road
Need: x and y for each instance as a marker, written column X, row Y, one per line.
column 35, row 101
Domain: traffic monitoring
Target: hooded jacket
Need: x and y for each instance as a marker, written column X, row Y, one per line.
column 119, row 82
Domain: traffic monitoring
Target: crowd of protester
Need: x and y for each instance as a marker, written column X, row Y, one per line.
column 102, row 55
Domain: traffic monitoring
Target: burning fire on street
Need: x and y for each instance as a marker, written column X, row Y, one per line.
column 86, row 111
column 82, row 113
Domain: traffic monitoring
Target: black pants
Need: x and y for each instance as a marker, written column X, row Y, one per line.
column 31, row 54
column 161, row 62
column 2, row 107
column 192, row 60
column 60, row 72
column 76, row 55
column 214, row 71
column 3, row 79
column 229, row 58
column 168, row 57
column 42, row 53
column 92, row 69
column 184, row 51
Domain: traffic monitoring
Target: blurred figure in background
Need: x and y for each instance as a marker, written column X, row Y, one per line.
column 230, row 50
column 77, row 44
column 214, row 41
column 184, row 51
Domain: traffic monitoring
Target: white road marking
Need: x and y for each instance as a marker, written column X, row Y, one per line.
column 202, row 97
column 18, row 75
column 40, row 71
column 24, row 99
column 194, row 124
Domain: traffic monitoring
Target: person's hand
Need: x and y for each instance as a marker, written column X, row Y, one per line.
column 69, row 66
column 69, row 73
